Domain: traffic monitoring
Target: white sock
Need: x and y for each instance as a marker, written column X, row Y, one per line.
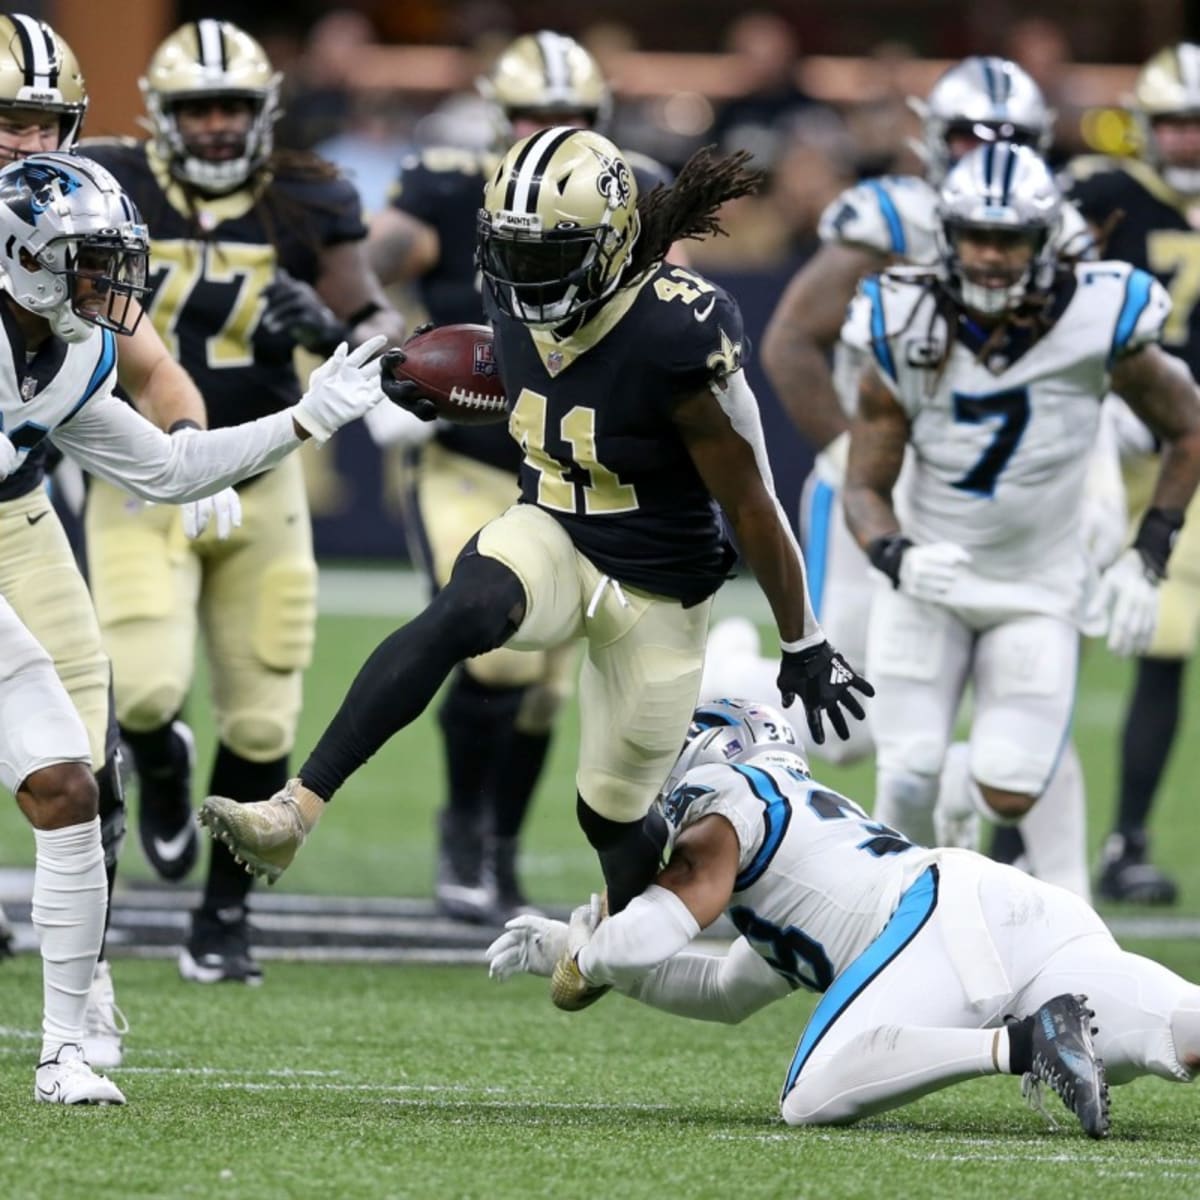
column 1055, row 829
column 956, row 813
column 70, row 894
column 886, row 1067
column 904, row 801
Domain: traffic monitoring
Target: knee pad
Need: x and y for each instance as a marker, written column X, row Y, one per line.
column 1006, row 767
column 112, row 809
column 258, row 737
column 481, row 607
column 1185, row 1034
column 151, row 705
column 286, row 618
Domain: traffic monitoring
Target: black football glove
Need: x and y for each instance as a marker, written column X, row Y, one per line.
column 404, row 392
column 295, row 309
column 822, row 679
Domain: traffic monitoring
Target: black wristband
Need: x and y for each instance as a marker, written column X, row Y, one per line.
column 184, row 423
column 1156, row 538
column 359, row 315
column 886, row 552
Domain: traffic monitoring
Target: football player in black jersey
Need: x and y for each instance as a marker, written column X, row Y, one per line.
column 43, row 100
column 1148, row 208
column 253, row 251
column 635, row 420
column 499, row 709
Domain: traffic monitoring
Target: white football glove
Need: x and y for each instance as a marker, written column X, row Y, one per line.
column 9, row 458
column 830, row 463
column 530, row 944
column 1130, row 595
column 928, row 572
column 340, row 390
column 225, row 508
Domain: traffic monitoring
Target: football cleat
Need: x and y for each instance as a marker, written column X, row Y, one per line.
column 264, row 835
column 1065, row 1060
column 104, row 1023
column 218, row 949
column 1126, row 876
column 67, row 1079
column 166, row 826
column 458, row 890
column 568, row 988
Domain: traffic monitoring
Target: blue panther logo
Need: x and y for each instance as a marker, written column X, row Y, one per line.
column 34, row 186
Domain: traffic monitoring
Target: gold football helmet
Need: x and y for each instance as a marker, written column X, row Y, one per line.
column 546, row 77
column 558, row 225
column 1168, row 88
column 38, row 70
column 208, row 60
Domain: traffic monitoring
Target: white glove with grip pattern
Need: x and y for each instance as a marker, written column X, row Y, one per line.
column 225, row 508
column 928, row 572
column 1129, row 592
column 530, row 944
column 340, row 390
column 9, row 458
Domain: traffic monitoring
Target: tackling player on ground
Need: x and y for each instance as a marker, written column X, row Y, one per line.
column 240, row 232
column 934, row 966
column 628, row 399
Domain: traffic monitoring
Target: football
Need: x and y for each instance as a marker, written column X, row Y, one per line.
column 454, row 365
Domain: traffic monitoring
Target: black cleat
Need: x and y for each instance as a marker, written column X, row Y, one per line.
column 1126, row 877
column 458, row 890
column 218, row 949
column 166, row 824
column 1065, row 1059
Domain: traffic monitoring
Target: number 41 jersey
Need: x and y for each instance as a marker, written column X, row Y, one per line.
column 592, row 414
column 1002, row 444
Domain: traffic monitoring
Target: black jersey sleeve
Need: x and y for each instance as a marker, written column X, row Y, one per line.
column 334, row 207
column 437, row 177
column 1097, row 188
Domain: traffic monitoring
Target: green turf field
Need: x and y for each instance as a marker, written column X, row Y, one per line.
column 337, row 1081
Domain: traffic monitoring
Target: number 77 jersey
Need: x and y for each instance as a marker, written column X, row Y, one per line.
column 1002, row 428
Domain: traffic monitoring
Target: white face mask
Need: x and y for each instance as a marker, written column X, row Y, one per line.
column 1185, row 180
column 991, row 301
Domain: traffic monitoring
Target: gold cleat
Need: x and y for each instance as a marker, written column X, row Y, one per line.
column 568, row 988
column 263, row 836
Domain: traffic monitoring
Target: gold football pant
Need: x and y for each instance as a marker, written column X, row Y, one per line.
column 253, row 597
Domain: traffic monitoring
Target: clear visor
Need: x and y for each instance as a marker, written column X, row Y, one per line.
column 106, row 279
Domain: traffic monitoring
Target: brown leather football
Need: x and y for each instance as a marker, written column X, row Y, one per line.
column 454, row 365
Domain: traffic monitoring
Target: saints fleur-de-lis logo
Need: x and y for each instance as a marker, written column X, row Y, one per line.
column 614, row 183
column 728, row 359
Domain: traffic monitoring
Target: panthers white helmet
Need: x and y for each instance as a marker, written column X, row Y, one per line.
column 1001, row 187
column 987, row 99
column 63, row 219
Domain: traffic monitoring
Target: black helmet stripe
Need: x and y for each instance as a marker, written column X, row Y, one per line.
column 38, row 51
column 525, row 183
column 210, row 44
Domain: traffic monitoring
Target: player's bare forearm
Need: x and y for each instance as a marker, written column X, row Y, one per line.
column 803, row 331
column 1161, row 390
column 771, row 554
column 161, row 390
column 401, row 248
column 878, row 438
column 703, row 868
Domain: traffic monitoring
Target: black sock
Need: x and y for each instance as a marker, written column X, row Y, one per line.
column 228, row 884
column 1007, row 844
column 516, row 781
column 1150, row 727
column 630, row 852
column 478, row 610
column 153, row 750
column 476, row 723
column 112, row 830
column 1020, row 1046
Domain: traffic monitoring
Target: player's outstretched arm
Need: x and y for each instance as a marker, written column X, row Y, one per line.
column 804, row 329
column 878, row 438
column 400, row 248
column 721, row 429
column 161, row 390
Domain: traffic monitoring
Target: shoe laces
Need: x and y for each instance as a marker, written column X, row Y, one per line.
column 1032, row 1093
column 104, row 1017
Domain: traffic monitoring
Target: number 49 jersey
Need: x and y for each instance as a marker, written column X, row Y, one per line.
column 1002, row 445
column 593, row 415
column 817, row 878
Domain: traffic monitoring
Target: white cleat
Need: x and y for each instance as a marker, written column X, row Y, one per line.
column 263, row 836
column 67, row 1079
column 104, row 1022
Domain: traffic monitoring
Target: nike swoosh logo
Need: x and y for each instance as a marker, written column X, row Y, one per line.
column 48, row 1092
column 702, row 315
column 172, row 848
column 33, row 520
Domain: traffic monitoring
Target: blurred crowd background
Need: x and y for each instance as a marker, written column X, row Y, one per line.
column 816, row 89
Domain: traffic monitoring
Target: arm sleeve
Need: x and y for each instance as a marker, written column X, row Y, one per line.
column 648, row 931
column 110, row 439
column 707, row 987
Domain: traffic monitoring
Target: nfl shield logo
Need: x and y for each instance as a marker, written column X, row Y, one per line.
column 28, row 388
column 554, row 362
column 485, row 359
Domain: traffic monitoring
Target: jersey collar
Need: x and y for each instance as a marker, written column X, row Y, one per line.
column 210, row 211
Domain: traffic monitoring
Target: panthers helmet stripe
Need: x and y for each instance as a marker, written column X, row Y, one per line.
column 210, row 44
column 39, row 54
column 526, row 183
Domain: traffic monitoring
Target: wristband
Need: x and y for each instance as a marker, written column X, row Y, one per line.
column 885, row 553
column 804, row 643
column 1156, row 538
column 184, row 423
column 359, row 315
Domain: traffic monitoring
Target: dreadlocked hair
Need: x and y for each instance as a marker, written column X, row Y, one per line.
column 688, row 208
